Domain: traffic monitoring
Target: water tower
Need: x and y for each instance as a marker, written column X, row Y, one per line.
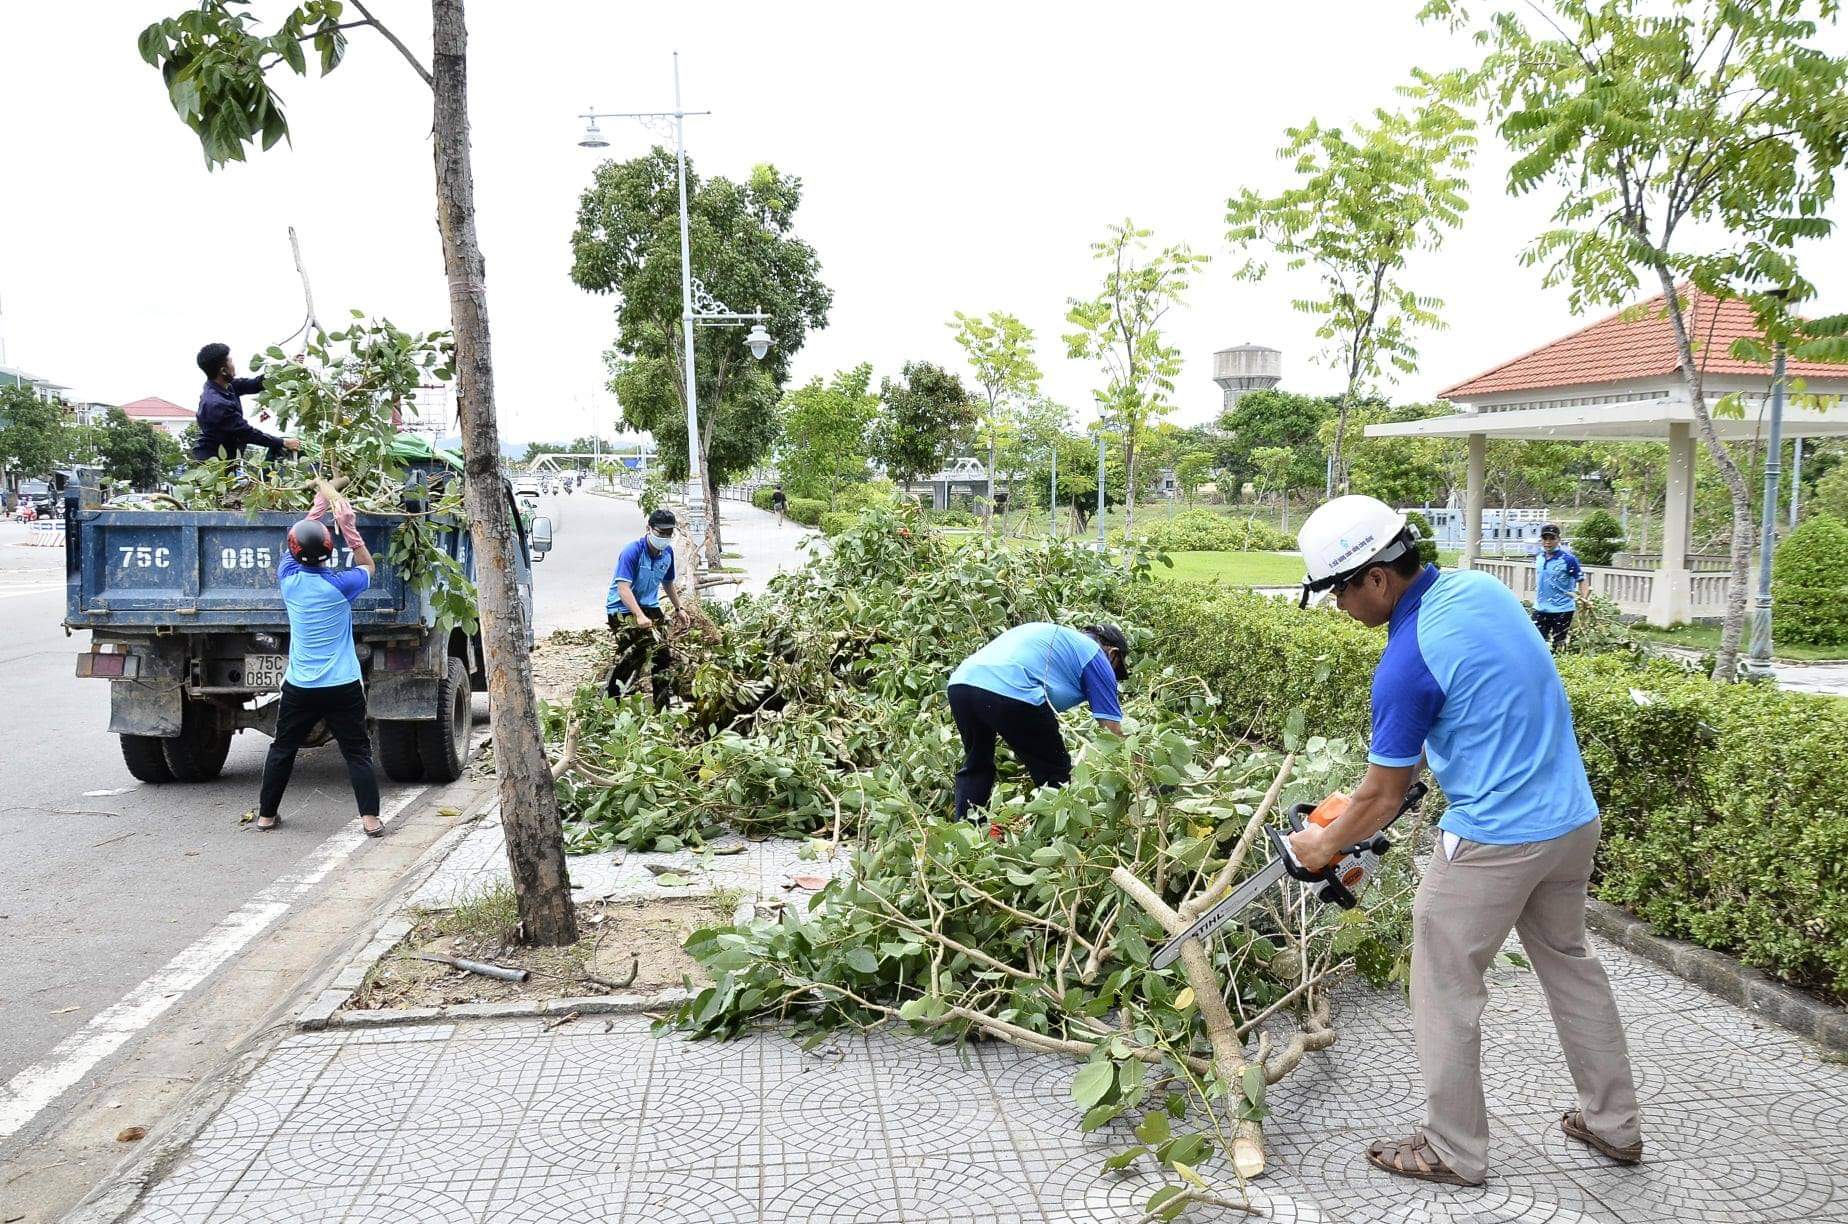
column 1246, row 367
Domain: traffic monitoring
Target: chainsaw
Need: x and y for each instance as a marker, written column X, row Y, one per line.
column 1340, row 883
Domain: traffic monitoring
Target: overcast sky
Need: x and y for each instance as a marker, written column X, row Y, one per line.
column 955, row 156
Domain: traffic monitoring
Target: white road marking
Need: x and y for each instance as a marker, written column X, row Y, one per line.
column 71, row 1059
column 30, row 591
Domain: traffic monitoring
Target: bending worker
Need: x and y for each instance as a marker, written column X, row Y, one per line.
column 323, row 682
column 1466, row 685
column 1014, row 687
column 1560, row 586
column 644, row 570
column 222, row 426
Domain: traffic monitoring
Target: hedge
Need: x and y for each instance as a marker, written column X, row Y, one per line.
column 835, row 522
column 1205, row 531
column 761, row 498
column 807, row 510
column 1724, row 805
column 1809, row 591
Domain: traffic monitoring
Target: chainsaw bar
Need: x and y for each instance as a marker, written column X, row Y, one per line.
column 1222, row 912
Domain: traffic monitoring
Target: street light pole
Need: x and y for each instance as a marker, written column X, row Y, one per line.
column 1758, row 666
column 1052, row 507
column 696, row 484
column 1100, row 484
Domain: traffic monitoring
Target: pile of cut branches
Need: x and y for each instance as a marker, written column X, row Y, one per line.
column 820, row 712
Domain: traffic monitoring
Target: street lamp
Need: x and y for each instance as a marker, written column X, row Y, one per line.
column 1758, row 663
column 710, row 311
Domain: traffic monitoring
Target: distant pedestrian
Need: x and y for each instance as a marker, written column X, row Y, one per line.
column 222, row 427
column 323, row 682
column 1559, row 586
column 1014, row 687
column 644, row 570
column 780, row 504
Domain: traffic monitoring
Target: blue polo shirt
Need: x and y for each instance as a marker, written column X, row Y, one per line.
column 644, row 572
column 1041, row 664
column 1467, row 682
column 320, row 604
column 1556, row 579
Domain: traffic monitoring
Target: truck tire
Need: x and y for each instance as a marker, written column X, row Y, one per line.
column 197, row 753
column 145, row 760
column 443, row 741
column 398, row 751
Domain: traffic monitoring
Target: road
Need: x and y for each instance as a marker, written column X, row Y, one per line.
column 105, row 880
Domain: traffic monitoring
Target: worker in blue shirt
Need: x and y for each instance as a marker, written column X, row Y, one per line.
column 323, row 682
column 644, row 570
column 1559, row 585
column 221, row 422
column 1464, row 686
column 1014, row 688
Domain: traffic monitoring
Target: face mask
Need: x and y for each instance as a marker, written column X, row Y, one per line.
column 661, row 539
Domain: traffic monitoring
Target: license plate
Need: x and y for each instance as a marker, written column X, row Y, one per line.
column 265, row 671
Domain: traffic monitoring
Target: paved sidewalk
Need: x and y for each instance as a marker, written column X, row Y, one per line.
column 501, row 1122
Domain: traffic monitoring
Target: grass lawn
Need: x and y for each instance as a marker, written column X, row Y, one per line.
column 1707, row 637
column 1243, row 569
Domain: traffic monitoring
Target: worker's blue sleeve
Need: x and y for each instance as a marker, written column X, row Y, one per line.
column 1100, row 688
column 351, row 583
column 1406, row 702
column 1574, row 569
column 246, row 386
column 625, row 564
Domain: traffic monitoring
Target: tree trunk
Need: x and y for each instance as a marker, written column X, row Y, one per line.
column 1744, row 531
column 993, row 449
column 711, row 545
column 1129, row 482
column 529, row 804
column 1337, row 474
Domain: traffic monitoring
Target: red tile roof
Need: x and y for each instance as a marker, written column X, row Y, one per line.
column 1616, row 349
column 155, row 408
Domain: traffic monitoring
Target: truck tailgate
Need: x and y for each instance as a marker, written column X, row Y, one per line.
column 175, row 569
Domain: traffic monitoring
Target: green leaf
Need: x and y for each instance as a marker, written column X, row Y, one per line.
column 1093, row 1083
column 1125, row 1158
column 1153, row 1128
column 860, row 960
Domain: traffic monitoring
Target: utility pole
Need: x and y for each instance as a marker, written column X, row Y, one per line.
column 1758, row 666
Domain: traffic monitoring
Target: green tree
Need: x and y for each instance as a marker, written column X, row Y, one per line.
column 1192, row 472
column 1000, row 353
column 1401, row 471
column 1832, row 494
column 1274, row 418
column 745, row 253
column 1360, row 205
column 1039, row 423
column 35, row 434
column 215, row 64
column 824, row 431
column 1693, row 141
column 921, row 413
column 1597, row 537
column 1120, row 328
column 134, row 453
column 1276, row 470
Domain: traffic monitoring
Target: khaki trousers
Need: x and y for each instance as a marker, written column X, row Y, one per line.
column 1466, row 906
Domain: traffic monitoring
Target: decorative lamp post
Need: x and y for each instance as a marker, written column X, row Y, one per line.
column 1758, row 664
column 698, row 308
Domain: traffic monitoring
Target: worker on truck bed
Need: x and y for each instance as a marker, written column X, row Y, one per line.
column 323, row 682
column 644, row 570
column 222, row 426
column 1464, row 685
column 1014, row 688
column 1560, row 586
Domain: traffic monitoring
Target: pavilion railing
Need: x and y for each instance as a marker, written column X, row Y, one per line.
column 1632, row 590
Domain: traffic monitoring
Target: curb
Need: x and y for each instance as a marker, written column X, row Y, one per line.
column 1719, row 974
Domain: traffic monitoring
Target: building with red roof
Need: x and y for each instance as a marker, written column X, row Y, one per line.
column 160, row 413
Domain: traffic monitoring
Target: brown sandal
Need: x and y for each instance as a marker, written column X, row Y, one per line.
column 1413, row 1157
column 1573, row 1123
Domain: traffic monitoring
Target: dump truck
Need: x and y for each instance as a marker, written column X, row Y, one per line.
column 187, row 624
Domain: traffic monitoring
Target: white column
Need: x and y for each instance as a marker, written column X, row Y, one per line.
column 1472, row 504
column 1669, row 601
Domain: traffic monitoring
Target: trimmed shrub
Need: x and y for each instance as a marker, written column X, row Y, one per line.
column 835, row 522
column 865, row 496
column 1809, row 584
column 951, row 518
column 761, row 498
column 1597, row 538
column 1724, row 821
column 1427, row 544
column 807, row 510
column 1204, row 531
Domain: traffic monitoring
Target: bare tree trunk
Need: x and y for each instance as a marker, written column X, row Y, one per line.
column 529, row 803
column 993, row 451
column 1744, row 531
column 1129, row 482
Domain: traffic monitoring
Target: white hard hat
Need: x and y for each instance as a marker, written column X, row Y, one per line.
column 1347, row 534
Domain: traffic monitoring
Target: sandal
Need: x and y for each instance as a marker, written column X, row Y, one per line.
column 275, row 822
column 1414, row 1157
column 1573, row 1123
column 378, row 832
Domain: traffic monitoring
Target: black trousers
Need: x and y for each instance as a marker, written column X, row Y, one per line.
column 1032, row 731
column 343, row 708
column 638, row 649
column 1554, row 627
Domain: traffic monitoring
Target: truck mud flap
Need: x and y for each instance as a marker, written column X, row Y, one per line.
column 406, row 696
column 142, row 707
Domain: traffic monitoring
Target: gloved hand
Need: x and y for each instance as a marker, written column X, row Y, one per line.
column 344, row 519
column 319, row 507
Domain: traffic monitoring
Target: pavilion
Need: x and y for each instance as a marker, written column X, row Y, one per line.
column 1619, row 380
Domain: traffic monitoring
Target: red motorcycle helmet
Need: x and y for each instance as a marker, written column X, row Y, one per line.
column 309, row 542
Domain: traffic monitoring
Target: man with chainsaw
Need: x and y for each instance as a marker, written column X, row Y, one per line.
column 1014, row 687
column 1466, row 685
column 644, row 569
